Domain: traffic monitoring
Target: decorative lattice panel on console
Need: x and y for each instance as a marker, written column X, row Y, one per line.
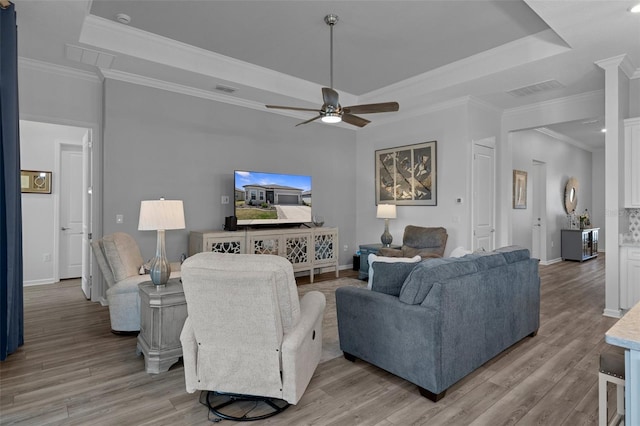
column 266, row 246
column 324, row 246
column 297, row 250
column 232, row 247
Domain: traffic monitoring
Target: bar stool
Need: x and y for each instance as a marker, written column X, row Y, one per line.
column 611, row 370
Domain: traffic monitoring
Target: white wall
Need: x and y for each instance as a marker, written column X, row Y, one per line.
column 158, row 143
column 39, row 149
column 563, row 161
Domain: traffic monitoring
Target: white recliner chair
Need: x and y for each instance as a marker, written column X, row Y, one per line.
column 120, row 260
column 247, row 335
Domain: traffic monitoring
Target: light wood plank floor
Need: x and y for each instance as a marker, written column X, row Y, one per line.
column 72, row 370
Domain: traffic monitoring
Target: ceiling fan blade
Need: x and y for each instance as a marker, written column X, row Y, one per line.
column 372, row 108
column 355, row 120
column 292, row 108
column 330, row 96
column 309, row 121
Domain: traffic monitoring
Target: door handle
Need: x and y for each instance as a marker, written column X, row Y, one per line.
column 64, row 229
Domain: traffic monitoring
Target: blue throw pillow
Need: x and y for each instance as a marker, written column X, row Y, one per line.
column 389, row 277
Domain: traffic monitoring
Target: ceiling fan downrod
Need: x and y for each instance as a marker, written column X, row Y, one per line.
column 331, row 20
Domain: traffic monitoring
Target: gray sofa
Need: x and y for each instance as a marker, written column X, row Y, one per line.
column 434, row 322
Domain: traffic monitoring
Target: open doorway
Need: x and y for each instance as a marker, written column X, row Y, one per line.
column 56, row 226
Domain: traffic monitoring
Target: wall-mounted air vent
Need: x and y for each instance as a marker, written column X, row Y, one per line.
column 225, row 89
column 536, row 88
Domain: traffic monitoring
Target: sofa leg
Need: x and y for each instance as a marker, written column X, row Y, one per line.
column 534, row 333
column 435, row 397
column 125, row 333
column 349, row 357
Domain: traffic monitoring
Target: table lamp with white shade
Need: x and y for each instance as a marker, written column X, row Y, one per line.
column 386, row 212
column 161, row 215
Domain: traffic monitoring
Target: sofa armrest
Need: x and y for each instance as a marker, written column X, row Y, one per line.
column 302, row 347
column 400, row 338
column 390, row 252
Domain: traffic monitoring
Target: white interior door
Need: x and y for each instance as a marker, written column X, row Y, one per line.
column 71, row 211
column 539, row 208
column 87, row 194
column 484, row 199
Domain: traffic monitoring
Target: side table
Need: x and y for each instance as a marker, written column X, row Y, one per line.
column 365, row 251
column 163, row 310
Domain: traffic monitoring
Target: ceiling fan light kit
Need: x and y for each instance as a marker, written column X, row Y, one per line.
column 331, row 111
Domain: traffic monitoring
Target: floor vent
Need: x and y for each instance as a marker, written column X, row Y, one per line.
column 536, row 88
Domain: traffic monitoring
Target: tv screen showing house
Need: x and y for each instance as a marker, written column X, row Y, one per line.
column 271, row 198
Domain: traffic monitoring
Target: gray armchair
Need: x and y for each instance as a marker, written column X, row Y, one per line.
column 418, row 240
column 247, row 335
column 120, row 260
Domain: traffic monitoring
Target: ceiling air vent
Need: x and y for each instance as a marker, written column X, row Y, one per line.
column 536, row 88
column 225, row 89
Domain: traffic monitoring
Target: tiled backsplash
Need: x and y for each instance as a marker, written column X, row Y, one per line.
column 634, row 224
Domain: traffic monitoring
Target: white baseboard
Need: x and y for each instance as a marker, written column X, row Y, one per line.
column 613, row 313
column 45, row 281
column 550, row 262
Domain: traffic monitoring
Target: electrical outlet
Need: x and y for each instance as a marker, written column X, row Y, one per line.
column 552, row 243
column 46, row 257
column 345, row 248
column 225, row 199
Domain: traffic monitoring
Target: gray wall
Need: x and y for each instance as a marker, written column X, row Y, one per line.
column 562, row 162
column 453, row 127
column 158, row 143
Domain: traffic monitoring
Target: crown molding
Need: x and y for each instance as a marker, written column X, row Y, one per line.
column 587, row 97
column 516, row 53
column 63, row 71
column 198, row 93
column 111, row 36
column 623, row 62
column 563, row 138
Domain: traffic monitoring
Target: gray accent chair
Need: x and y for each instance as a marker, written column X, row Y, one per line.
column 419, row 240
column 247, row 334
column 434, row 323
column 120, row 260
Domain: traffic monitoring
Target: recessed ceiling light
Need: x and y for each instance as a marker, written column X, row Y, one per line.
column 635, row 9
column 123, row 18
column 603, row 130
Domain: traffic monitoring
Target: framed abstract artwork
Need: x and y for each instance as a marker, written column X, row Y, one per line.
column 407, row 175
column 519, row 189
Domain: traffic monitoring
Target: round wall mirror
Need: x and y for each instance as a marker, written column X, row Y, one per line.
column 571, row 195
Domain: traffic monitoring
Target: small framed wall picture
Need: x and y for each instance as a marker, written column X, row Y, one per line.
column 37, row 182
column 519, row 189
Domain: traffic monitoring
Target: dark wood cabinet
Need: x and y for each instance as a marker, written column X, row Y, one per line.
column 579, row 244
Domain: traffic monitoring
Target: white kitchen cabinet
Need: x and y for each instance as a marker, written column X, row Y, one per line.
column 632, row 162
column 629, row 276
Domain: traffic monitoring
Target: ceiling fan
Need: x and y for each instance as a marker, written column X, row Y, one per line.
column 331, row 110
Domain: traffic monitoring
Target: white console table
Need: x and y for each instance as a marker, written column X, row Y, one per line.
column 306, row 248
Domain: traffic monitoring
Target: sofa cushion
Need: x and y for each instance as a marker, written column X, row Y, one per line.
column 122, row 254
column 514, row 254
column 389, row 277
column 372, row 258
column 430, row 271
column 487, row 260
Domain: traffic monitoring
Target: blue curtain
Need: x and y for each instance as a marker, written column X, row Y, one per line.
column 11, row 305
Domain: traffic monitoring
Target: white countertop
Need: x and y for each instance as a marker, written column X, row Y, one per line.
column 626, row 332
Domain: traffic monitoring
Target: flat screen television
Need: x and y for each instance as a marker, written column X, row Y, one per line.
column 271, row 199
